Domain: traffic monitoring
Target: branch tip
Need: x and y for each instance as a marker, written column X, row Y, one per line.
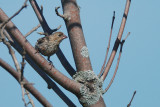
column 43, row 33
column 131, row 99
column 54, row 30
column 114, row 14
column 127, row 35
column 34, row 29
column 41, row 8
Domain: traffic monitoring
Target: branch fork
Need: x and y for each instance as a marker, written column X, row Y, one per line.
column 64, row 16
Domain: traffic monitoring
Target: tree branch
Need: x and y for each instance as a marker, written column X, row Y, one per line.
column 102, row 69
column 117, row 42
column 70, row 85
column 23, row 6
column 74, row 28
column 62, row 16
column 115, row 72
column 131, row 99
column 50, row 83
column 40, row 65
column 27, row 86
column 34, row 29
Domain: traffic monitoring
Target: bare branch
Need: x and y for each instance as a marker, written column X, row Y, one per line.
column 7, row 36
column 34, row 29
column 23, row 6
column 40, row 17
column 27, row 86
column 11, row 51
column 131, row 99
column 127, row 35
column 43, row 33
column 115, row 72
column 102, row 69
column 117, row 42
column 23, row 95
column 43, row 75
column 30, row 99
column 54, row 30
column 70, row 85
column 76, row 36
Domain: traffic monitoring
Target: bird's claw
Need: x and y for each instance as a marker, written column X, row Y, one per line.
column 50, row 63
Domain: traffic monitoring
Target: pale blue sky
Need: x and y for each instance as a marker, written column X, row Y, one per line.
column 139, row 66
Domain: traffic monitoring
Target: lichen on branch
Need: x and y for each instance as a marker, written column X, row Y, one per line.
column 91, row 87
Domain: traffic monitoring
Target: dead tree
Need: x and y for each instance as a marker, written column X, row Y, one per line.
column 85, row 84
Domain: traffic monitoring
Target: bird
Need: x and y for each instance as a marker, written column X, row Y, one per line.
column 49, row 44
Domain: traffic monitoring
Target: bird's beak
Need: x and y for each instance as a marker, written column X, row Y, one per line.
column 64, row 37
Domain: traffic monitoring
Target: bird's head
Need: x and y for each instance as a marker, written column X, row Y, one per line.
column 58, row 36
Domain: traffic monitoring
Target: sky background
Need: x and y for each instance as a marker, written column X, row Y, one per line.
column 139, row 67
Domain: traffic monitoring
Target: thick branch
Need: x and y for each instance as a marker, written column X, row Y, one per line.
column 117, row 42
column 65, row 82
column 74, row 28
column 29, row 87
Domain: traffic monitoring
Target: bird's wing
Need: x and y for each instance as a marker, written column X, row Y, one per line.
column 41, row 40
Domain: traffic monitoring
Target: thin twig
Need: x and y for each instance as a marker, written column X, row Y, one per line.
column 30, row 99
column 30, row 88
column 102, row 69
column 43, row 33
column 23, row 64
column 41, row 9
column 23, row 95
column 62, row 16
column 34, row 29
column 117, row 42
column 127, row 35
column 115, row 72
column 7, row 36
column 23, row 6
column 131, row 99
column 54, row 30
column 11, row 51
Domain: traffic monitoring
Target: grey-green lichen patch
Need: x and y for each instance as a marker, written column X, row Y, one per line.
column 91, row 87
column 84, row 52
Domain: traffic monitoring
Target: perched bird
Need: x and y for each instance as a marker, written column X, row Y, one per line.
column 49, row 44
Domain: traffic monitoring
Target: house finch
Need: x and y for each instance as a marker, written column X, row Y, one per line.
column 49, row 44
